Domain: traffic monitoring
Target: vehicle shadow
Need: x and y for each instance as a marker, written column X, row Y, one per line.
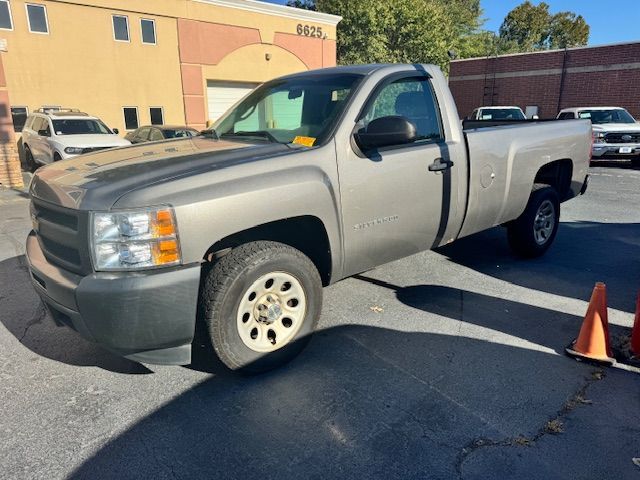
column 583, row 253
column 362, row 402
column 25, row 317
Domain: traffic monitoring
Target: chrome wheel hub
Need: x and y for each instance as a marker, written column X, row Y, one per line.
column 271, row 312
column 544, row 222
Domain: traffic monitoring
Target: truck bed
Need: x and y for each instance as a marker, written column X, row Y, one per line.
column 505, row 158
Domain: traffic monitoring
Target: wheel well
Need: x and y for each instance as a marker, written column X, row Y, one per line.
column 306, row 234
column 558, row 175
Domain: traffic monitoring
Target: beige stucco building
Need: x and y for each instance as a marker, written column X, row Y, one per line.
column 137, row 62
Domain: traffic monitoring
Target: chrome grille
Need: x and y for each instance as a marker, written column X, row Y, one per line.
column 622, row 137
column 62, row 235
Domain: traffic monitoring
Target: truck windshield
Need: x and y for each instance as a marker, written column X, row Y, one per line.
column 75, row 126
column 300, row 110
column 615, row 115
column 501, row 114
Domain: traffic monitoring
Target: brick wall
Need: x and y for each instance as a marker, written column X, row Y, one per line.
column 592, row 76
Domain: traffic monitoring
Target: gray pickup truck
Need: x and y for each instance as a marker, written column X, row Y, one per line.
column 311, row 178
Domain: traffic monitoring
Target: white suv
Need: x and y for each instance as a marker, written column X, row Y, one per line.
column 49, row 136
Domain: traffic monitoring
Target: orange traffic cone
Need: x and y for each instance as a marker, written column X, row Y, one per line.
column 635, row 333
column 593, row 340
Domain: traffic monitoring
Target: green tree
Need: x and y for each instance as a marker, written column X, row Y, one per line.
column 529, row 27
column 411, row 31
column 304, row 4
column 568, row 30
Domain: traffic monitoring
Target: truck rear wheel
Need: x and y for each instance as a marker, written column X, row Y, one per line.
column 260, row 304
column 531, row 234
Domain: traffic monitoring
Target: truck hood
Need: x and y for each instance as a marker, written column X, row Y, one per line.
column 97, row 180
column 617, row 127
column 91, row 141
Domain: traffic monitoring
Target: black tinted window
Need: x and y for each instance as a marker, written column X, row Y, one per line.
column 411, row 98
column 148, row 31
column 156, row 116
column 19, row 117
column 121, row 28
column 5, row 16
column 74, row 126
column 37, row 18
column 130, row 118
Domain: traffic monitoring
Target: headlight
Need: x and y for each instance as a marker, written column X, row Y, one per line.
column 73, row 150
column 598, row 137
column 135, row 239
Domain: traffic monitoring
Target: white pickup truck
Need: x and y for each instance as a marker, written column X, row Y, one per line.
column 309, row 179
column 498, row 113
column 616, row 134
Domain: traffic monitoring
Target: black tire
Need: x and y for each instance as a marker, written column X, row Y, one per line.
column 223, row 292
column 635, row 162
column 56, row 157
column 527, row 240
column 31, row 163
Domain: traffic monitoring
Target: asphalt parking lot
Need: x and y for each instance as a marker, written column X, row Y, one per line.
column 447, row 364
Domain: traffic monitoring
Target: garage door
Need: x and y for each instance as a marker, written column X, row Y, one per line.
column 222, row 95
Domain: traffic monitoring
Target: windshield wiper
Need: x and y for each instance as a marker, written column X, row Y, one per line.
column 254, row 133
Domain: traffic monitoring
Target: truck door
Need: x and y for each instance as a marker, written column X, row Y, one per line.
column 396, row 200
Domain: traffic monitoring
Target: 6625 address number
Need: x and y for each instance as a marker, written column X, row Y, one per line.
column 309, row 30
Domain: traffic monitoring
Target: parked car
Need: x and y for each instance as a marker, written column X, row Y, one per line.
column 498, row 113
column 152, row 133
column 616, row 134
column 309, row 179
column 49, row 136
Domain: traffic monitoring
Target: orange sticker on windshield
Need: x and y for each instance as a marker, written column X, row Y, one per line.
column 306, row 141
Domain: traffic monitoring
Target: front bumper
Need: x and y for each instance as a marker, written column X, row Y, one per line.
column 608, row 150
column 144, row 316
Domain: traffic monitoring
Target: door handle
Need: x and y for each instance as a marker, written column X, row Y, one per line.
column 440, row 164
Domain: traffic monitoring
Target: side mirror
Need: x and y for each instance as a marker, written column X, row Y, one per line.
column 386, row 131
column 116, row 131
column 44, row 133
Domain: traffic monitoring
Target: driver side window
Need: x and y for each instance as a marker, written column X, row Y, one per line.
column 413, row 99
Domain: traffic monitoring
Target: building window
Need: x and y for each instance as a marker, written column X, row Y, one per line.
column 157, row 115
column 130, row 117
column 37, row 18
column 148, row 28
column 6, row 22
column 120, row 28
column 19, row 116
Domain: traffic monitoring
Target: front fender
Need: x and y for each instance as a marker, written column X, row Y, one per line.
column 212, row 206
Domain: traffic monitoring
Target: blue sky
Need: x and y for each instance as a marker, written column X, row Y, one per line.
column 611, row 21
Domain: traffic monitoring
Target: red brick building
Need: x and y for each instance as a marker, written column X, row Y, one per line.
column 607, row 75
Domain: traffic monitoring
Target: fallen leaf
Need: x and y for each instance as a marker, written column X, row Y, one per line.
column 554, row 426
column 376, row 309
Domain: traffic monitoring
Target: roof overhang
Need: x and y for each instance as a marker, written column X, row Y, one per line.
column 278, row 10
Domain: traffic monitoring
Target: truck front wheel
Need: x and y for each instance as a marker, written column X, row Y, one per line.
column 260, row 304
column 533, row 232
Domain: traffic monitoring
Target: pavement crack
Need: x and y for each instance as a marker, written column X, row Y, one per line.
column 553, row 426
column 38, row 317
